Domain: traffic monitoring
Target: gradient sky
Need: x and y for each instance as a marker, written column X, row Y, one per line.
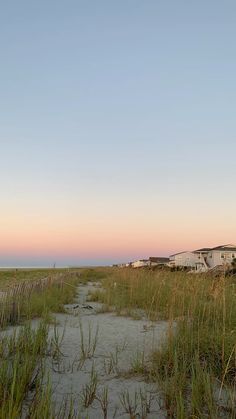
column 117, row 129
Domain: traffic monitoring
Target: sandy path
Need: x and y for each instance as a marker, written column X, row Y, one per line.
column 120, row 343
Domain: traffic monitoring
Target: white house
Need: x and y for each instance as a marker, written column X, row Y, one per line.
column 158, row 260
column 209, row 258
column 184, row 259
column 205, row 259
column 140, row 263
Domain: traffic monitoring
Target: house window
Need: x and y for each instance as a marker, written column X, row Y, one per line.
column 233, row 255
column 222, row 256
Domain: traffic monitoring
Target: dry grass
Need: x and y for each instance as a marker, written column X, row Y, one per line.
column 197, row 364
column 22, row 370
column 34, row 298
column 12, row 277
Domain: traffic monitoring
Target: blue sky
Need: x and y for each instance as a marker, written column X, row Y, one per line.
column 113, row 113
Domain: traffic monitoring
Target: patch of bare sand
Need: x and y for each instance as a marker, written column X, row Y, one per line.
column 98, row 351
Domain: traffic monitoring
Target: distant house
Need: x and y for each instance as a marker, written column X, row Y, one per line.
column 140, row 263
column 151, row 262
column 158, row 260
column 184, row 259
column 205, row 259
column 124, row 265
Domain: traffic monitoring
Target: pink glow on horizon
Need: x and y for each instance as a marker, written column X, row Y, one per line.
column 108, row 237
column 112, row 246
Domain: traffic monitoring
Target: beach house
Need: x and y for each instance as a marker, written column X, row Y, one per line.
column 206, row 258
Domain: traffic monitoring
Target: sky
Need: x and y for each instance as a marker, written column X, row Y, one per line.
column 117, row 129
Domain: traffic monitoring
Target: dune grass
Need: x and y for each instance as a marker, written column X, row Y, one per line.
column 24, row 389
column 26, row 303
column 50, row 299
column 11, row 277
column 39, row 300
column 196, row 367
column 21, row 369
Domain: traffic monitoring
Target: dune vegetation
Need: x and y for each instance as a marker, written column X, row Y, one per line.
column 195, row 368
column 36, row 296
column 24, row 388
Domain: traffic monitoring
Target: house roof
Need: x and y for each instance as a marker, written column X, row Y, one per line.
column 224, row 247
column 229, row 247
column 204, row 249
column 158, row 259
column 180, row 253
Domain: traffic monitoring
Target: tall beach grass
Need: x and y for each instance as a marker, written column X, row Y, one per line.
column 196, row 366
